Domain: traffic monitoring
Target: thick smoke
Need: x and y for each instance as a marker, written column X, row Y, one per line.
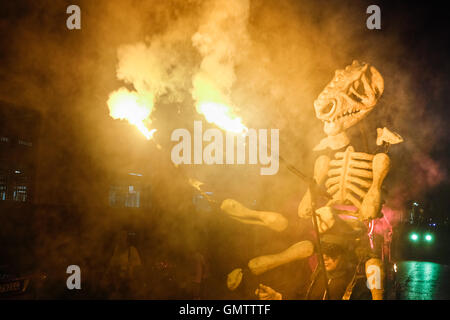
column 222, row 39
column 267, row 59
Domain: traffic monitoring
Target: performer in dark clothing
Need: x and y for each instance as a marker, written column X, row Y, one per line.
column 345, row 279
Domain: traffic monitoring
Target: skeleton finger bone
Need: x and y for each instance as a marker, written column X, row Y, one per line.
column 300, row 250
column 238, row 211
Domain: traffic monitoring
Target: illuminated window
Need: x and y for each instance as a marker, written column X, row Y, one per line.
column 20, row 193
column 25, row 143
column 124, row 196
column 3, row 187
column 133, row 197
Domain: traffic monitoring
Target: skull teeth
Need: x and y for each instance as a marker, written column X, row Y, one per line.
column 343, row 115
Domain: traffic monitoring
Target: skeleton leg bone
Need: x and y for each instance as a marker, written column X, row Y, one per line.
column 300, row 250
column 238, row 211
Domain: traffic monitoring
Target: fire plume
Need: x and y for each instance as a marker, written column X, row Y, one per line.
column 221, row 115
column 128, row 105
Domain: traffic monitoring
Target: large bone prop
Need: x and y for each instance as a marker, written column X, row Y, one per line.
column 300, row 250
column 259, row 265
column 370, row 206
column 320, row 173
column 238, row 211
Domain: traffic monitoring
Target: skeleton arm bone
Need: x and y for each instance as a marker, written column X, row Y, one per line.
column 262, row 264
column 300, row 250
column 320, row 173
column 237, row 211
column 370, row 206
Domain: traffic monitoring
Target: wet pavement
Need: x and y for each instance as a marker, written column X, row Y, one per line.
column 422, row 280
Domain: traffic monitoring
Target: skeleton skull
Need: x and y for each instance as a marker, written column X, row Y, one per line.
column 349, row 97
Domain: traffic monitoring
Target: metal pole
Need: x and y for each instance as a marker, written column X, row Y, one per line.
column 313, row 190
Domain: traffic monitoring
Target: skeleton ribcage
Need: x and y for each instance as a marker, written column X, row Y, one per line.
column 349, row 177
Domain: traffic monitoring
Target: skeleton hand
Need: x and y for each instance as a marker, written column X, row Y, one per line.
column 267, row 293
column 325, row 219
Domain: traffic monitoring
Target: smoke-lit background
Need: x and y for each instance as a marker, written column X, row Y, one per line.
column 272, row 57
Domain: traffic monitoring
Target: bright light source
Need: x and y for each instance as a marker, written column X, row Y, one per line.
column 414, row 237
column 395, row 267
column 415, row 204
column 428, row 237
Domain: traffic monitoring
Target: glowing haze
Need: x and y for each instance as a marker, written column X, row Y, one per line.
column 220, row 39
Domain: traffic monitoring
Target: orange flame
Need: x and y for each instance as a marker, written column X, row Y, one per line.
column 222, row 116
column 129, row 105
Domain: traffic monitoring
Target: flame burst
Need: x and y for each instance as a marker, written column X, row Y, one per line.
column 221, row 115
column 128, row 105
column 221, row 39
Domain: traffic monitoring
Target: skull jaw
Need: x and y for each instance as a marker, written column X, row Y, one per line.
column 334, row 128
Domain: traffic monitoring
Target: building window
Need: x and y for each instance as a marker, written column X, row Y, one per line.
column 25, row 143
column 3, row 188
column 124, row 196
column 20, row 193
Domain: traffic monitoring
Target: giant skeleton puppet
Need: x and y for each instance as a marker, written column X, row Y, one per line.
column 349, row 177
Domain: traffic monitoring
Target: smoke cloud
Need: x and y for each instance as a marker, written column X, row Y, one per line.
column 268, row 60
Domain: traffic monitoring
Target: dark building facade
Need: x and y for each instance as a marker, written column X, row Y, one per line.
column 19, row 132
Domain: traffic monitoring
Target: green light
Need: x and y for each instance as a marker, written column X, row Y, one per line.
column 428, row 237
column 414, row 237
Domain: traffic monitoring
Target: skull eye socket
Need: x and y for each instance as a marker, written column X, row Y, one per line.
column 356, row 91
column 359, row 87
column 327, row 109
